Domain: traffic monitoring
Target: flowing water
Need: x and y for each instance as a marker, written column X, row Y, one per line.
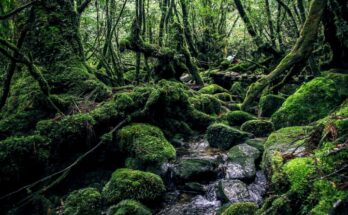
column 182, row 201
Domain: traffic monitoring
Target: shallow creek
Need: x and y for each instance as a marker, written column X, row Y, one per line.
column 225, row 181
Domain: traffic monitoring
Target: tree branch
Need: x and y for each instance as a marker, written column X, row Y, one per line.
column 17, row 10
column 83, row 6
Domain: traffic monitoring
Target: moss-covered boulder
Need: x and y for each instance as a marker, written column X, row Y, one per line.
column 22, row 160
column 238, row 90
column 269, row 104
column 213, row 89
column 195, row 170
column 133, row 184
column 237, row 118
column 313, row 101
column 145, row 144
column 224, row 137
column 206, row 103
column 83, row 202
column 129, row 207
column 226, row 97
column 281, row 142
column 242, row 208
column 260, row 128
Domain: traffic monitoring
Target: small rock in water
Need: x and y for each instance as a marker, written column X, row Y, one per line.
column 195, row 170
column 242, row 169
column 233, row 191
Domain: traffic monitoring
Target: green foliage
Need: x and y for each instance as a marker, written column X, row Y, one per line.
column 314, row 100
column 237, row 118
column 260, row 128
column 133, row 184
column 298, row 171
column 224, row 137
column 213, row 89
column 270, row 104
column 129, row 207
column 146, row 144
column 242, row 208
column 83, row 202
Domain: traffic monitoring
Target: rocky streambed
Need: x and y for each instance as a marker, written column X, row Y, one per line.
column 204, row 179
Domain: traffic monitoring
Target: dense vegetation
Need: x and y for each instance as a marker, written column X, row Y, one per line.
column 105, row 107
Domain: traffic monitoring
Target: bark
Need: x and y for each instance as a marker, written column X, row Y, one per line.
column 270, row 22
column 297, row 56
column 187, row 29
column 336, row 31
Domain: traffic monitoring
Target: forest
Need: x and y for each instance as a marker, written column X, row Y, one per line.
column 174, row 107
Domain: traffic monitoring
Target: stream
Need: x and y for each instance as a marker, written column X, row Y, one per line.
column 202, row 179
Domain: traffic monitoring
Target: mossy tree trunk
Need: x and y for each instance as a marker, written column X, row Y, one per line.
column 55, row 44
column 297, row 57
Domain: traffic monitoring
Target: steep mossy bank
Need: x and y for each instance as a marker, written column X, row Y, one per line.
column 313, row 101
column 307, row 165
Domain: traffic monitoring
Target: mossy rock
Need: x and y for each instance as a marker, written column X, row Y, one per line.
column 23, row 159
column 133, row 184
column 146, row 144
column 238, row 90
column 269, row 104
column 260, row 128
column 257, row 143
column 213, row 89
column 129, row 207
column 206, row 103
column 226, row 97
column 242, row 152
column 237, row 118
column 338, row 119
column 242, row 165
column 242, row 208
column 68, row 135
column 224, row 137
column 283, row 141
column 83, row 202
column 195, row 170
column 313, row 101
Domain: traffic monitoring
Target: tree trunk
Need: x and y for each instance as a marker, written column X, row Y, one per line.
column 55, row 44
column 298, row 55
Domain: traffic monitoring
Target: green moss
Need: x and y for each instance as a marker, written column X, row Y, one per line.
column 314, row 100
column 129, row 207
column 22, row 160
column 224, row 137
column 270, row 104
column 146, row 144
column 206, row 103
column 260, row 128
column 68, row 135
column 83, row 202
column 133, row 184
column 226, row 97
column 193, row 169
column 237, row 118
column 238, row 90
column 326, row 194
column 280, row 142
column 242, row 208
column 213, row 89
column 298, row 171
